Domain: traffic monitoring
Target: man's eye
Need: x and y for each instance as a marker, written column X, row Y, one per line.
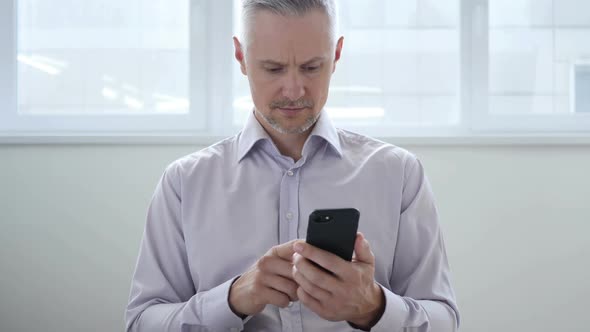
column 274, row 70
column 311, row 68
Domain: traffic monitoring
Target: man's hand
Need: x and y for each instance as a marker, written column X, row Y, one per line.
column 350, row 294
column 268, row 281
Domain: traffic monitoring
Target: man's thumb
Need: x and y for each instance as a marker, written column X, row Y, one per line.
column 362, row 250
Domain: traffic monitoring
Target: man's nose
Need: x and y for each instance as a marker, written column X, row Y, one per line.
column 293, row 87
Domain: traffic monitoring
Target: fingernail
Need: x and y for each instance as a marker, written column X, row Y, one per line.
column 298, row 247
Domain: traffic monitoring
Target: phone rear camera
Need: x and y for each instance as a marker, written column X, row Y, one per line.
column 324, row 218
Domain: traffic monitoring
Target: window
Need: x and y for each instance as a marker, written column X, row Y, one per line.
column 96, row 66
column 409, row 68
column 535, row 49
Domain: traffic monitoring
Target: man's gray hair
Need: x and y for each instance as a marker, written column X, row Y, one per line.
column 289, row 8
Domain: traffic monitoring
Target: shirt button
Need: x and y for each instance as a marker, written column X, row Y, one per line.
column 290, row 173
column 290, row 304
column 289, row 215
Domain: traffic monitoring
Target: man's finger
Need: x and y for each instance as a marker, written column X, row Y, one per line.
column 283, row 285
column 276, row 265
column 274, row 297
column 362, row 250
column 284, row 251
column 309, row 287
column 323, row 258
column 309, row 301
column 315, row 275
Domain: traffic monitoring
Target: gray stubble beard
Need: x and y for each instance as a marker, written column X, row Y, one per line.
column 309, row 122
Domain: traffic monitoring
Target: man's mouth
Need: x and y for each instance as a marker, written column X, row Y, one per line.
column 292, row 108
column 290, row 111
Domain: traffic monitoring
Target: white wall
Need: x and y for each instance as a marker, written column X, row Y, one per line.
column 516, row 223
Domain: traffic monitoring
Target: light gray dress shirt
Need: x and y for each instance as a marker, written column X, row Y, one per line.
column 218, row 210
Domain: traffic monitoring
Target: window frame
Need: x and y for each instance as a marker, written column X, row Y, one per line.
column 7, row 61
column 211, row 110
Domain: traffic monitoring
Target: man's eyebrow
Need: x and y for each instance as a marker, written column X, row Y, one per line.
column 315, row 59
column 270, row 62
column 276, row 63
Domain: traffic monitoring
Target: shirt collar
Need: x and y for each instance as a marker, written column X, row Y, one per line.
column 324, row 128
column 254, row 132
column 250, row 135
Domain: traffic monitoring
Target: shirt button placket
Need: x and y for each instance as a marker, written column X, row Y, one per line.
column 289, row 209
column 293, row 213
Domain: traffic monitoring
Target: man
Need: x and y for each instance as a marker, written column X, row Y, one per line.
column 222, row 247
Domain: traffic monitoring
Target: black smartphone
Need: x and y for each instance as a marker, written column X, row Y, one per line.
column 334, row 230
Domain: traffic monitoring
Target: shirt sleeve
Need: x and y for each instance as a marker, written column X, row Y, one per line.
column 162, row 296
column 420, row 296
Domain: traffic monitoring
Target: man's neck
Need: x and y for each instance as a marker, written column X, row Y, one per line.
column 290, row 145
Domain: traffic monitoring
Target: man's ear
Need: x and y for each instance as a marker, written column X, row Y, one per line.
column 239, row 55
column 338, row 52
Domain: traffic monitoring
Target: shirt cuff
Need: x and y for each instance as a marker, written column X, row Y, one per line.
column 216, row 311
column 394, row 315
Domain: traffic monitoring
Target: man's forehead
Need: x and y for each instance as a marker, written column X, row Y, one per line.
column 284, row 38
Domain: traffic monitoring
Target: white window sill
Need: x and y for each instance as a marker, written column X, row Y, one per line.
column 202, row 140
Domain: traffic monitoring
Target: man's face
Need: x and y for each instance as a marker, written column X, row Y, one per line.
column 289, row 63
